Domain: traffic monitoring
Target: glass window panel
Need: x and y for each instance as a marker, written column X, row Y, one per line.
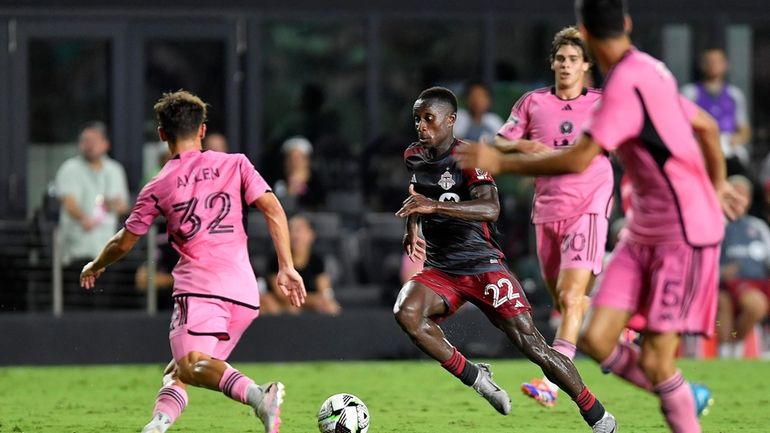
column 69, row 85
column 521, row 61
column 195, row 65
column 314, row 80
column 417, row 54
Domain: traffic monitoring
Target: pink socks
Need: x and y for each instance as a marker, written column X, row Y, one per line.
column 235, row 385
column 171, row 401
column 678, row 404
column 624, row 362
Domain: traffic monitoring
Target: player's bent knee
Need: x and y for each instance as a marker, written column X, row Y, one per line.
column 571, row 300
column 409, row 317
column 188, row 366
column 754, row 304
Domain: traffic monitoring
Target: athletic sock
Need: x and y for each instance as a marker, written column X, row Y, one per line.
column 565, row 348
column 169, row 404
column 466, row 371
column 624, row 362
column 678, row 404
column 235, row 385
column 590, row 407
column 726, row 350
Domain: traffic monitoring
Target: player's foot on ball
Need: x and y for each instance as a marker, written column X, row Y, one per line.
column 487, row 388
column 703, row 399
column 605, row 425
column 269, row 407
column 539, row 391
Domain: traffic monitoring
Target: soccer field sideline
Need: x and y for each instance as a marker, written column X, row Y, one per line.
column 402, row 396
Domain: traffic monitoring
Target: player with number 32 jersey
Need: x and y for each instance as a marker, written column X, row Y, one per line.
column 202, row 196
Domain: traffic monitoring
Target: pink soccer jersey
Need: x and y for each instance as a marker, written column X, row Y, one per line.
column 542, row 116
column 644, row 119
column 202, row 196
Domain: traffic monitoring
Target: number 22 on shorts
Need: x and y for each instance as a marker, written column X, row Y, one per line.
column 502, row 283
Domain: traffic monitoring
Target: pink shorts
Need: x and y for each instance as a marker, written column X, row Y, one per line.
column 208, row 325
column 574, row 243
column 668, row 288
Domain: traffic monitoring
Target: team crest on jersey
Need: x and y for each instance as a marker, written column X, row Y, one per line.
column 480, row 174
column 566, row 127
column 446, row 180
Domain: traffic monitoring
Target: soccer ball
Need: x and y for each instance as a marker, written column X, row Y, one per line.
column 343, row 413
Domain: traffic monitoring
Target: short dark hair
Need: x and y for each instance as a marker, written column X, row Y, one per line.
column 441, row 94
column 604, row 19
column 568, row 36
column 180, row 114
column 98, row 126
column 476, row 83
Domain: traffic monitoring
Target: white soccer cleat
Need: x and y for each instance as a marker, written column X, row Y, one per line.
column 268, row 410
column 487, row 388
column 158, row 424
column 605, row 425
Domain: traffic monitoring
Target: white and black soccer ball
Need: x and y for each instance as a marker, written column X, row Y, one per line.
column 343, row 413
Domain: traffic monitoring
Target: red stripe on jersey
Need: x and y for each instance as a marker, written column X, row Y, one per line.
column 413, row 149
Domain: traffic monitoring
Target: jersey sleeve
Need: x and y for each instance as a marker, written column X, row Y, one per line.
column 252, row 183
column 689, row 108
column 517, row 124
column 476, row 176
column 145, row 211
column 619, row 115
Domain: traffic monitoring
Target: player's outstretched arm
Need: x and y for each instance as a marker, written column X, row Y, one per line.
column 483, row 206
column 706, row 131
column 519, row 146
column 288, row 279
column 573, row 160
column 114, row 250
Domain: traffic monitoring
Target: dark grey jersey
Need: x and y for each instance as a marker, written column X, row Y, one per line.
column 455, row 245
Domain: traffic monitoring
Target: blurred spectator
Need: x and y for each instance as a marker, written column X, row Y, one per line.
column 216, row 142
column 299, row 189
column 744, row 273
column 93, row 192
column 726, row 103
column 477, row 123
column 311, row 119
column 320, row 296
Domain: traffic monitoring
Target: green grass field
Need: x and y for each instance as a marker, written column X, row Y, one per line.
column 403, row 397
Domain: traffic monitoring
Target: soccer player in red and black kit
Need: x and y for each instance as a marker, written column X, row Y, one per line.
column 457, row 210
